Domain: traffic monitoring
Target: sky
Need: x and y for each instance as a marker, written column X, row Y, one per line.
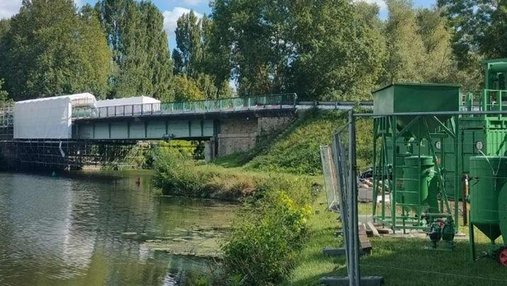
column 173, row 9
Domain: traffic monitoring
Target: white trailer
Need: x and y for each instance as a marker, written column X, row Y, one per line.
column 48, row 118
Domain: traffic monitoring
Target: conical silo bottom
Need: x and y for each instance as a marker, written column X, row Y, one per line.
column 492, row 231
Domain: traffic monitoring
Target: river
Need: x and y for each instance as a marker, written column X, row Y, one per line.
column 101, row 231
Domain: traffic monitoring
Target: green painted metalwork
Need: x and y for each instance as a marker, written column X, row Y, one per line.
column 396, row 98
column 489, row 175
column 414, row 192
column 410, row 170
column 200, row 106
column 488, row 201
column 496, row 74
column 152, row 129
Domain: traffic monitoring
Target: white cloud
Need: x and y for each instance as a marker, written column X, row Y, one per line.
column 380, row 3
column 171, row 17
column 9, row 8
column 193, row 2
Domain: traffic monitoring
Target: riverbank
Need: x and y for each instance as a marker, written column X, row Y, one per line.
column 280, row 186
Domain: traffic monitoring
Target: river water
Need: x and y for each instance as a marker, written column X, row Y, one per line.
column 88, row 231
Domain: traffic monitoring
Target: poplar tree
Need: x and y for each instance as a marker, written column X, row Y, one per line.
column 406, row 50
column 50, row 49
column 432, row 28
column 194, row 58
column 138, row 42
column 187, row 55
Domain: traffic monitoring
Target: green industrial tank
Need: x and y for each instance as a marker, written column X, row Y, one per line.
column 488, row 192
column 417, row 189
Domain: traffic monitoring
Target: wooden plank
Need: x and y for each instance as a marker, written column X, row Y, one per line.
column 363, row 239
column 373, row 229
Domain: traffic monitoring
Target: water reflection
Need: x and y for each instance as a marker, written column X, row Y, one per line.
column 64, row 231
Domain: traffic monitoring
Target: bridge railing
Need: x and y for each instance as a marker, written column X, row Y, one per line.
column 277, row 101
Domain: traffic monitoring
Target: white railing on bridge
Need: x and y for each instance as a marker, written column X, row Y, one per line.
column 277, row 101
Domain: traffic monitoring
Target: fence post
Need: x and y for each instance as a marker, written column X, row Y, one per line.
column 353, row 244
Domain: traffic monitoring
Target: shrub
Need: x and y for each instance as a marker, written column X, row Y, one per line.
column 264, row 241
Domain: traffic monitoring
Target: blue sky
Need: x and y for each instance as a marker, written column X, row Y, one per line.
column 172, row 9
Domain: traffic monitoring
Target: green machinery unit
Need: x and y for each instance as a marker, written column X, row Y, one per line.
column 411, row 172
column 488, row 202
column 485, row 134
column 484, row 157
column 427, row 138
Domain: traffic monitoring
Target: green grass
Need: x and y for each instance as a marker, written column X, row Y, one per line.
column 405, row 261
column 400, row 260
column 298, row 151
column 312, row 263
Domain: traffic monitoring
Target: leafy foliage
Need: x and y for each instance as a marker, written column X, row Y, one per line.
column 194, row 58
column 265, row 240
column 418, row 44
column 49, row 49
column 138, row 42
column 3, row 94
column 298, row 151
column 188, row 55
column 186, row 89
column 298, row 46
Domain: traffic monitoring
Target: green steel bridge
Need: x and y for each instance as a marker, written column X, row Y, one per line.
column 104, row 133
column 182, row 120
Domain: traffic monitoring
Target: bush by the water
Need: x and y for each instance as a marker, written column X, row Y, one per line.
column 265, row 240
column 177, row 174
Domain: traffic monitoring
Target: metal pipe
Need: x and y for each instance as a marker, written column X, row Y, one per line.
column 463, row 198
column 434, row 113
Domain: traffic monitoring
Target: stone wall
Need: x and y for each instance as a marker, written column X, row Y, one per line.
column 241, row 134
column 236, row 135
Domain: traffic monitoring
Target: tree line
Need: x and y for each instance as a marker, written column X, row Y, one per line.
column 322, row 50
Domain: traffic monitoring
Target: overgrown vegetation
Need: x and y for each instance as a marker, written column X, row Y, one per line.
column 176, row 174
column 266, row 238
column 272, row 227
column 269, row 231
column 297, row 150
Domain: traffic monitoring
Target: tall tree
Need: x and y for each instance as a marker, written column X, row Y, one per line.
column 469, row 21
column 432, row 28
column 138, row 42
column 246, row 30
column 494, row 42
column 50, row 49
column 319, row 49
column 187, row 56
column 405, row 46
column 339, row 50
column 195, row 58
